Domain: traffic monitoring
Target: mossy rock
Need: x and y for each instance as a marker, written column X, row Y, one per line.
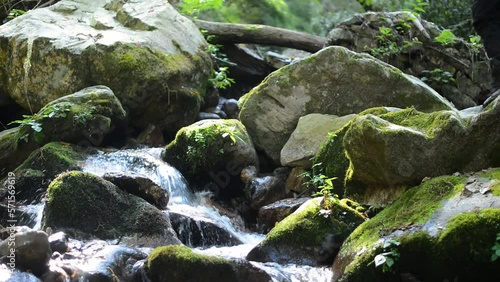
column 312, row 235
column 333, row 81
column 211, row 146
column 445, row 227
column 385, row 151
column 152, row 57
column 12, row 152
column 85, row 118
column 85, row 203
column 179, row 263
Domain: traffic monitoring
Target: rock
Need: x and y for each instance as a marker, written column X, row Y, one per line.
column 209, row 145
column 230, row 107
column 75, row 44
column 266, row 189
column 34, row 175
column 442, row 235
column 139, row 186
column 197, row 231
column 203, row 116
column 55, row 274
column 296, row 181
column 32, row 251
column 84, row 118
column 86, row 203
column 427, row 59
column 270, row 215
column 307, row 236
column 151, row 136
column 12, row 152
column 179, row 263
column 59, row 242
column 389, row 152
column 305, row 141
column 16, row 275
column 333, row 81
column 114, row 263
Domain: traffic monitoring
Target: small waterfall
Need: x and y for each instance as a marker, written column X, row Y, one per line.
column 146, row 162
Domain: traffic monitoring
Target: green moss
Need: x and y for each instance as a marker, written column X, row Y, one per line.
column 179, row 263
column 253, row 27
column 493, row 174
column 416, row 206
column 308, row 227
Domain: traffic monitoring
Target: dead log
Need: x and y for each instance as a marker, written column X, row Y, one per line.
column 261, row 34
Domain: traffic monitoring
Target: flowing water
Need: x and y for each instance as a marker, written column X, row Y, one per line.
column 148, row 162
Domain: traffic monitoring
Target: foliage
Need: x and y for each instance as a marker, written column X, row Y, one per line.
column 14, row 13
column 219, row 78
column 194, row 7
column 388, row 257
column 390, row 42
column 446, row 37
column 437, row 76
column 324, row 186
column 35, row 121
column 496, row 249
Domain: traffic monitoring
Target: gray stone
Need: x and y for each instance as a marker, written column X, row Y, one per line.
column 333, row 81
column 312, row 131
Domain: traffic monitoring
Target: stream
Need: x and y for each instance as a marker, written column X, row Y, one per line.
column 148, row 162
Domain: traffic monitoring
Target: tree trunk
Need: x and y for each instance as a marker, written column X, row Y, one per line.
column 261, row 34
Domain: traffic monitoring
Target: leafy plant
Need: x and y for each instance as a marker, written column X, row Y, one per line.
column 34, row 121
column 219, row 78
column 14, row 13
column 496, row 249
column 324, row 188
column 390, row 255
column 446, row 37
column 194, row 7
column 437, row 76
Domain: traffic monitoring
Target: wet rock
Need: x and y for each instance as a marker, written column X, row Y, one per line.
column 230, row 107
column 203, row 115
column 75, row 44
column 312, row 235
column 114, row 263
column 266, row 189
column 151, row 136
column 179, row 263
column 444, row 231
column 197, row 231
column 59, row 242
column 30, row 186
column 55, row 274
column 140, row 186
column 270, row 215
column 333, row 81
column 89, row 204
column 32, row 251
column 16, row 276
column 305, row 141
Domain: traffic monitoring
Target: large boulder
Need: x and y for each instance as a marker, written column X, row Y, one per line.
column 179, row 263
column 151, row 56
column 312, row 235
column 333, row 81
column 456, row 68
column 85, row 203
column 312, row 131
column 383, row 152
column 442, row 230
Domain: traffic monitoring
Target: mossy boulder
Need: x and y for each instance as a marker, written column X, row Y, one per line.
column 211, row 148
column 12, row 152
column 384, row 151
column 151, row 56
column 333, row 81
column 179, row 263
column 312, row 235
column 85, row 203
column 445, row 228
column 85, row 117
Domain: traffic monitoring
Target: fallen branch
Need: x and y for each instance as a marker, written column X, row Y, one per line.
column 261, row 34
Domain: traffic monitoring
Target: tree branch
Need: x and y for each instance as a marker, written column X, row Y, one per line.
column 261, row 34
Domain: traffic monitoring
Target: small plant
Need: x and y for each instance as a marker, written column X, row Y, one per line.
column 34, row 121
column 14, row 13
column 437, row 76
column 324, row 188
column 496, row 249
column 417, row 7
column 194, row 7
column 390, row 255
column 445, row 38
column 219, row 78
